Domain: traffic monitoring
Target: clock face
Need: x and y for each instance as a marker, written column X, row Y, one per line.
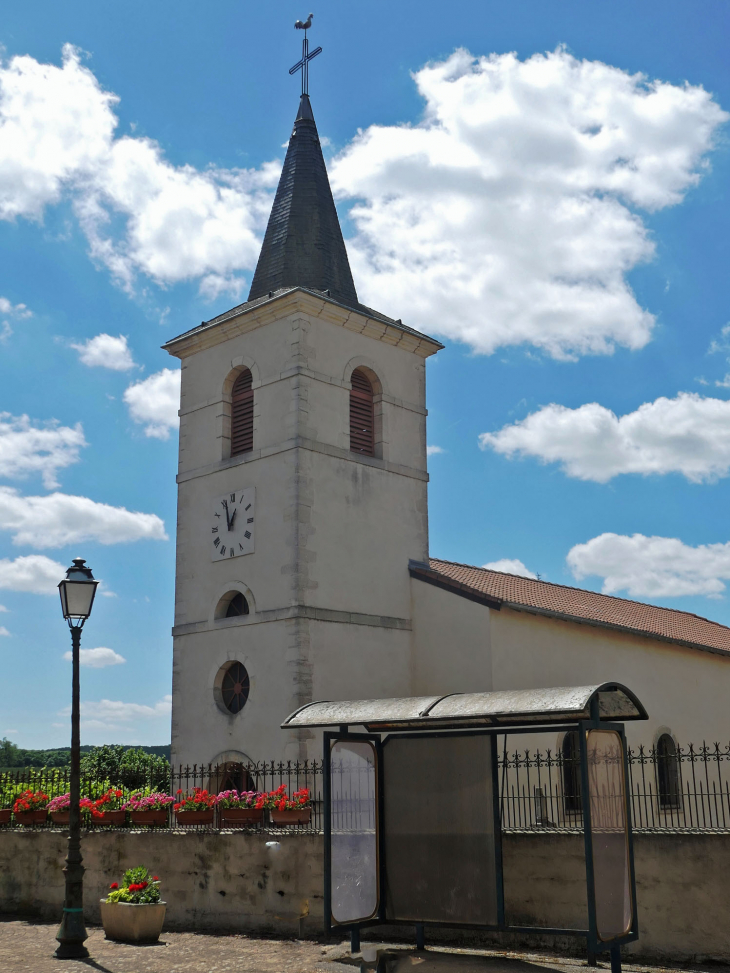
column 232, row 524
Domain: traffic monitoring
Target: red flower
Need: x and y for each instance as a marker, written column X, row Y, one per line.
column 114, row 885
column 155, row 878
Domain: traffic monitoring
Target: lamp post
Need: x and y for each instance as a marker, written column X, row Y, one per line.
column 77, row 596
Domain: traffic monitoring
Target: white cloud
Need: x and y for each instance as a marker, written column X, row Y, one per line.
column 155, row 401
column 109, row 715
column 3, row 608
column 652, row 567
column 511, row 566
column 434, row 450
column 57, row 139
column 689, row 434
column 508, row 216
column 97, row 658
column 106, row 351
column 4, row 631
column 58, row 519
column 34, row 573
column 26, row 448
column 722, row 344
column 10, row 311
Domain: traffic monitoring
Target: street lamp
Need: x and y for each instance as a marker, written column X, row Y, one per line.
column 77, row 596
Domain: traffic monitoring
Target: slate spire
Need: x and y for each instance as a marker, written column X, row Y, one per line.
column 303, row 245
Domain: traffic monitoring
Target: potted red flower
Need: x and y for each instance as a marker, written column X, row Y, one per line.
column 195, row 808
column 31, row 808
column 150, row 810
column 59, row 809
column 240, row 810
column 132, row 912
column 284, row 810
column 107, row 809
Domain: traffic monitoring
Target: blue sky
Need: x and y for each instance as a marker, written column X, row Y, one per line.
column 505, row 181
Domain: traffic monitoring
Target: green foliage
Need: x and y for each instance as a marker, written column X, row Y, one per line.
column 126, row 767
column 138, row 887
column 12, row 755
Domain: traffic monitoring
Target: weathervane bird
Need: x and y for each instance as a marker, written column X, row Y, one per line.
column 304, row 25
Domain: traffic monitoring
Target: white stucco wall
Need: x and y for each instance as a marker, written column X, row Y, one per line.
column 465, row 647
column 328, row 581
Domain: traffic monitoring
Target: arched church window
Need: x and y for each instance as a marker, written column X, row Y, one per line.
column 242, row 414
column 571, row 773
column 362, row 416
column 235, row 687
column 237, row 606
column 667, row 769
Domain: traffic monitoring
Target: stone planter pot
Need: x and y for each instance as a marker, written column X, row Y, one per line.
column 149, row 817
column 61, row 817
column 29, row 818
column 240, row 817
column 296, row 815
column 129, row 923
column 195, row 817
column 5, row 813
column 110, row 817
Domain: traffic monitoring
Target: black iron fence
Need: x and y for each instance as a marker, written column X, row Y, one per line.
column 684, row 788
column 670, row 788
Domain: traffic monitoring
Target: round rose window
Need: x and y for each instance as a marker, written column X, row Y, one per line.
column 235, row 687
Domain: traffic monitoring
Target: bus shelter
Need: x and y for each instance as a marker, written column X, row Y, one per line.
column 412, row 811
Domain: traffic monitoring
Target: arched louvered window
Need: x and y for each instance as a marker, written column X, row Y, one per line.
column 362, row 417
column 242, row 414
column 667, row 769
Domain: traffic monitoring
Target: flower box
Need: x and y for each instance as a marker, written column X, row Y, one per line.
column 149, row 816
column 60, row 817
column 240, row 817
column 194, row 817
column 29, row 818
column 127, row 922
column 109, row 817
column 5, row 813
column 294, row 815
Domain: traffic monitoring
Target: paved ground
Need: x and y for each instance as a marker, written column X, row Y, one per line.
column 27, row 947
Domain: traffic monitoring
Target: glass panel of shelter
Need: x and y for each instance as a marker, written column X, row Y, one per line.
column 609, row 834
column 354, row 831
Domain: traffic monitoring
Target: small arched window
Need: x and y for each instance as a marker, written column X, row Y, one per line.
column 667, row 769
column 571, row 773
column 242, row 414
column 237, row 606
column 362, row 416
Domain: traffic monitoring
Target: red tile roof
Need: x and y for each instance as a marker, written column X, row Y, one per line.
column 561, row 601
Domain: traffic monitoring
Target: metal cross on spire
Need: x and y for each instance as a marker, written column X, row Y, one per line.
column 303, row 65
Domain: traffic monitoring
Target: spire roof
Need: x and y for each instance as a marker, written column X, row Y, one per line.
column 303, row 245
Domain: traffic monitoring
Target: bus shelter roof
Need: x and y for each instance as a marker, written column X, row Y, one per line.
column 508, row 708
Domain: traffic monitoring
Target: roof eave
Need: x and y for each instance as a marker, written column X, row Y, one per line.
column 320, row 305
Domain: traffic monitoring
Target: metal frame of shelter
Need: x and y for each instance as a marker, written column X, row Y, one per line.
column 407, row 737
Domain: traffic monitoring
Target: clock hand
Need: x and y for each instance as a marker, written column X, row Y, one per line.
column 228, row 519
column 230, row 526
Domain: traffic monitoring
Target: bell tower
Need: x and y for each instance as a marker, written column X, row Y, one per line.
column 302, row 489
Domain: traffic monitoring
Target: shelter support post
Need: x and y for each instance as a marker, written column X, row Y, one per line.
column 592, row 958
column 420, row 936
column 615, row 959
column 355, row 941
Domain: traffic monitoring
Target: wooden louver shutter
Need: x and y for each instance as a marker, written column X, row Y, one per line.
column 362, row 420
column 242, row 414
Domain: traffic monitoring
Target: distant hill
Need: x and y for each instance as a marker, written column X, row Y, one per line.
column 13, row 757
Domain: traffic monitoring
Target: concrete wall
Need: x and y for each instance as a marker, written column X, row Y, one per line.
column 233, row 882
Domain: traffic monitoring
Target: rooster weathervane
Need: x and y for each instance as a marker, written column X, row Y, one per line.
column 303, row 65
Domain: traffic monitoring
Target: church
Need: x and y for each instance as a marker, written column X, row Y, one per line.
column 303, row 567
